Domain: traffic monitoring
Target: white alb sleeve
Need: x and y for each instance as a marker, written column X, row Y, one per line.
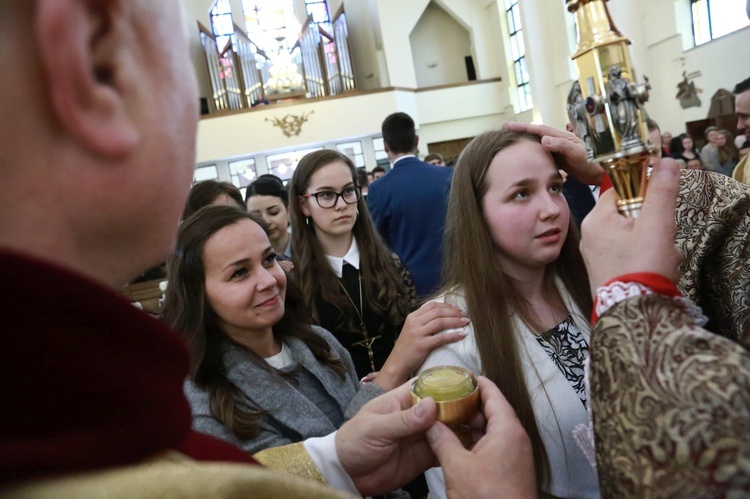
column 322, row 450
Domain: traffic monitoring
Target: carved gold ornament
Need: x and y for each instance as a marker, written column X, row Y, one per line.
column 291, row 124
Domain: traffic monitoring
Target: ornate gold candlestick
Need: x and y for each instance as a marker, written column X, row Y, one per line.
column 609, row 112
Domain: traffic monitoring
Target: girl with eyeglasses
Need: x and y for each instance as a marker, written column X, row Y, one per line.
column 352, row 284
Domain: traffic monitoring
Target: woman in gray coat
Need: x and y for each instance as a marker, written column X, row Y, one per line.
column 260, row 376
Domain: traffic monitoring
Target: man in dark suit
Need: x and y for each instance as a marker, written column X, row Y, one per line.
column 409, row 204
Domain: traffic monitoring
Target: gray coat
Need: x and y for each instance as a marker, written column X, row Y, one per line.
column 291, row 416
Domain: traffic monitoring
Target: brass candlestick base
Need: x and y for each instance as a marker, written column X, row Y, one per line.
column 628, row 175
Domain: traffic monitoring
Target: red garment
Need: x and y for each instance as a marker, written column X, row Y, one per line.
column 88, row 381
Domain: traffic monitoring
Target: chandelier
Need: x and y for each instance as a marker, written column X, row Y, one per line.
column 285, row 77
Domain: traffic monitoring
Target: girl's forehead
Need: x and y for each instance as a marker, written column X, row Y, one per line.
column 336, row 172
column 520, row 154
column 261, row 201
column 524, row 160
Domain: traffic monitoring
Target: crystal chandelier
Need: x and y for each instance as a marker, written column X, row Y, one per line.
column 285, row 78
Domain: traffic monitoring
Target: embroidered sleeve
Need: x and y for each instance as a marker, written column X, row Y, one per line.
column 670, row 404
column 292, row 459
column 713, row 232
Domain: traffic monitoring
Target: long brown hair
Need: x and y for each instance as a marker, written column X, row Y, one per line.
column 316, row 277
column 205, row 193
column 187, row 310
column 728, row 151
column 470, row 264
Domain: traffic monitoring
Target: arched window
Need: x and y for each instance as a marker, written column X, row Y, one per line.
column 715, row 18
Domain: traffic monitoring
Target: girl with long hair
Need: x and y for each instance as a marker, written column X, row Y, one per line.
column 511, row 260
column 260, row 376
column 352, row 284
column 729, row 155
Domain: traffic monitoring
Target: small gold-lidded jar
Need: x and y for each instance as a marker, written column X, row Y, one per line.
column 455, row 391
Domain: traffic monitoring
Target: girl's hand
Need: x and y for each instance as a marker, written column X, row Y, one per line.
column 419, row 336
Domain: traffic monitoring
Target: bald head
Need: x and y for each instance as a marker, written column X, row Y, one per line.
column 98, row 132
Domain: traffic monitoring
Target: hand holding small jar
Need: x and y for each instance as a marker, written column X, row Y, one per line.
column 456, row 394
column 499, row 462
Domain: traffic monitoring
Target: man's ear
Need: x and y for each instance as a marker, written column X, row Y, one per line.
column 416, row 142
column 81, row 44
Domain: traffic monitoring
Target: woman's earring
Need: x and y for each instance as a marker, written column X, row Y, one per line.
column 357, row 210
column 307, row 221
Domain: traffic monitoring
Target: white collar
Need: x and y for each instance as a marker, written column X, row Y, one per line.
column 351, row 257
column 402, row 157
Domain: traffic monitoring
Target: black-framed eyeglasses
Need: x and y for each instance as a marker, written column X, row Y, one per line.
column 328, row 199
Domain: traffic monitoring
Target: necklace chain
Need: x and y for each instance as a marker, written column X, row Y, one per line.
column 367, row 342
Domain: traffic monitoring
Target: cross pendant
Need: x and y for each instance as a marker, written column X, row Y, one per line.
column 367, row 343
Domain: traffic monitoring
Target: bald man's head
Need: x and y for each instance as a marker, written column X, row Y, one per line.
column 98, row 131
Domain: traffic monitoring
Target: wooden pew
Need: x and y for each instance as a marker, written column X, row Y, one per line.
column 148, row 293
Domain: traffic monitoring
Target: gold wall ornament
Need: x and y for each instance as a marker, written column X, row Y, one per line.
column 612, row 116
column 291, row 124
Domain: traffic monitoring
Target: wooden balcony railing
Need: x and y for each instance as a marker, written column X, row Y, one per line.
column 239, row 72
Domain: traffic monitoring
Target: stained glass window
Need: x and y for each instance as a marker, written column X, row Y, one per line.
column 354, row 151
column 243, row 172
column 318, row 10
column 208, row 172
column 283, row 165
column 271, row 24
column 221, row 22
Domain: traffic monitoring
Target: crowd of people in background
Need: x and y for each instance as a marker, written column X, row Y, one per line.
column 352, row 248
column 367, row 253
column 721, row 152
